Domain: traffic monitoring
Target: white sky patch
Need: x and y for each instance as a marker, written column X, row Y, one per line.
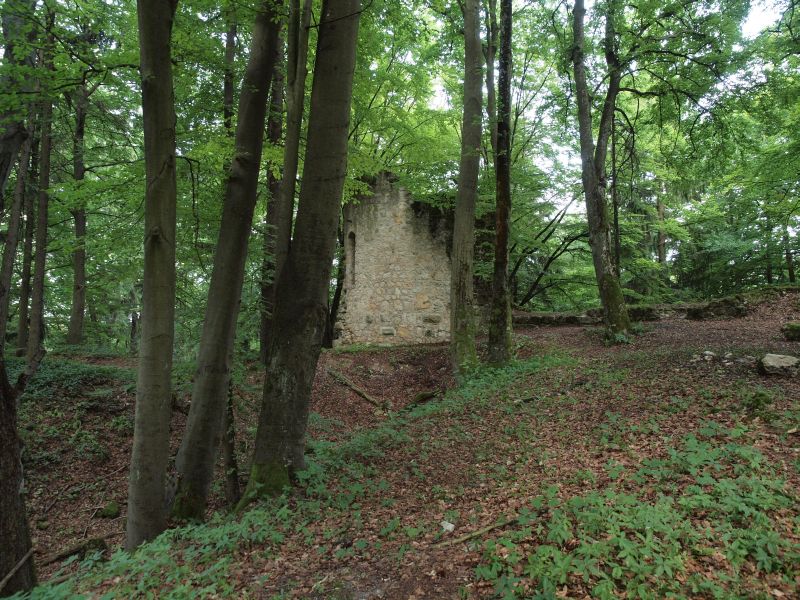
column 439, row 100
column 763, row 14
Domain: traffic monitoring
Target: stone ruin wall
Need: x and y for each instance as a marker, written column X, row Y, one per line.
column 397, row 271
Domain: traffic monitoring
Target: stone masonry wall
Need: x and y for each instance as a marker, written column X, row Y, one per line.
column 397, row 271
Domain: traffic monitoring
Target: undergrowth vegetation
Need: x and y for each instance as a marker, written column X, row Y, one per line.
column 710, row 503
column 667, row 513
column 59, row 402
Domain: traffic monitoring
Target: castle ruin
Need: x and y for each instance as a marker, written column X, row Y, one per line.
column 397, row 270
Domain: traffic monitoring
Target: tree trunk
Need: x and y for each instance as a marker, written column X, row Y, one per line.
column 787, row 246
column 301, row 305
column 75, row 331
column 16, row 552
column 232, row 491
column 230, row 60
column 463, row 353
column 500, row 318
column 296, row 72
column 12, row 237
column 36, row 328
column 146, row 487
column 662, row 236
column 196, row 457
column 14, row 529
column 133, row 341
column 615, row 199
column 23, row 324
column 13, row 519
column 491, row 94
column 17, row 17
column 593, row 160
column 768, row 250
column 333, row 312
column 274, row 133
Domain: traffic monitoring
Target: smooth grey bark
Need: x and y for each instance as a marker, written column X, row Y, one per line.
column 301, row 305
column 490, row 55
column 296, row 73
column 12, row 237
column 227, row 82
column 500, row 316
column 18, row 29
column 336, row 300
column 463, row 353
column 273, row 217
column 23, row 322
column 233, row 492
column 593, row 164
column 787, row 247
column 615, row 200
column 16, row 551
column 197, row 454
column 147, row 514
column 78, row 307
column 14, row 529
column 768, row 243
column 662, row 235
column 35, row 348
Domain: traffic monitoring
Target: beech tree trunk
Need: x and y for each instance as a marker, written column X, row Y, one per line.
column 146, row 487
column 615, row 199
column 491, row 54
column 274, row 133
column 500, row 317
column 301, row 305
column 767, row 232
column 593, row 162
column 13, row 518
column 14, row 530
column 75, row 330
column 662, row 236
column 463, row 353
column 18, row 30
column 296, row 72
column 227, row 83
column 333, row 312
column 787, row 246
column 15, row 547
column 35, row 346
column 23, row 323
column 196, row 457
column 12, row 237
column 233, row 492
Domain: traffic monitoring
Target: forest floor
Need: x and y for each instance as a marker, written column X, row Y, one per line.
column 645, row 469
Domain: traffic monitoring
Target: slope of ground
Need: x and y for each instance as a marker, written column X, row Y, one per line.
column 582, row 470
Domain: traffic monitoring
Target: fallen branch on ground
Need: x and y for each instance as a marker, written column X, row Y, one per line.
column 340, row 378
column 82, row 548
column 16, row 568
column 422, row 398
column 468, row 536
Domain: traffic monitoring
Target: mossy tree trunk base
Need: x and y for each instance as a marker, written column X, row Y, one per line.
column 266, row 481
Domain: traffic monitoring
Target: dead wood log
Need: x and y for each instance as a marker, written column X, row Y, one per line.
column 90, row 545
column 16, row 568
column 340, row 378
column 422, row 398
column 468, row 536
